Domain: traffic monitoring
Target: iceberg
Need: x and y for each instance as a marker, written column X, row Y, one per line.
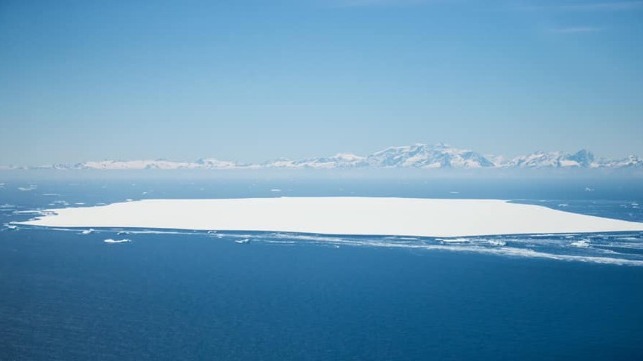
column 114, row 241
column 336, row 215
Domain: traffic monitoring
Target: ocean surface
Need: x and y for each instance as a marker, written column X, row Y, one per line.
column 67, row 294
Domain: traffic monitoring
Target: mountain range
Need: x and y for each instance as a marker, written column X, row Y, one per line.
column 412, row 156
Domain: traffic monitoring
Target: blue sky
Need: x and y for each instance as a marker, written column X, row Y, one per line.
column 252, row 80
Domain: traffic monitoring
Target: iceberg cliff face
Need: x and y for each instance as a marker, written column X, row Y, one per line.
column 438, row 156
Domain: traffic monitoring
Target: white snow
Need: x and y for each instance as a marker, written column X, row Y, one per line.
column 336, row 215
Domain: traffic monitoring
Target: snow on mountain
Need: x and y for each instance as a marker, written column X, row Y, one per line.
column 133, row 164
column 341, row 160
column 211, row 163
column 428, row 156
column 411, row 156
column 580, row 159
column 208, row 163
column 630, row 162
column 583, row 158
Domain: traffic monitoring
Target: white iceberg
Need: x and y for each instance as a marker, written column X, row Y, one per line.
column 112, row 241
column 336, row 215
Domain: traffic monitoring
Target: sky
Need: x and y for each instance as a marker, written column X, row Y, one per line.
column 254, row 80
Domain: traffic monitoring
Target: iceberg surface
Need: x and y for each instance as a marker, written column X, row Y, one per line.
column 336, row 215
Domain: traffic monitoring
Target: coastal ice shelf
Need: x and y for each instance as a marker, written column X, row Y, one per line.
column 336, row 215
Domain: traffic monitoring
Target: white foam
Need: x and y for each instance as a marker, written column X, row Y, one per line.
column 580, row 244
column 337, row 215
column 7, row 207
column 496, row 242
column 502, row 251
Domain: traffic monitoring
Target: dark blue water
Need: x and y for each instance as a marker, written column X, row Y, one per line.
column 191, row 296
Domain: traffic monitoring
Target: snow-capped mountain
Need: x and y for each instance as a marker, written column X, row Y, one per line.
column 211, row 163
column 208, row 163
column 341, row 160
column 133, row 164
column 427, row 156
column 580, row 159
column 630, row 162
column 410, row 156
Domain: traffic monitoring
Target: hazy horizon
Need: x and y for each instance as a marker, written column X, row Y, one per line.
column 257, row 80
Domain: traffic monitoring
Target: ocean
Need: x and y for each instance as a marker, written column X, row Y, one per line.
column 177, row 295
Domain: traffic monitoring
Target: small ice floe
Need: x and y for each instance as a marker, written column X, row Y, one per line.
column 11, row 227
column 584, row 243
column 112, row 241
column 87, row 231
column 35, row 212
column 243, row 241
column 453, row 240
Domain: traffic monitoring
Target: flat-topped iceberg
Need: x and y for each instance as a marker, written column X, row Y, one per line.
column 336, row 215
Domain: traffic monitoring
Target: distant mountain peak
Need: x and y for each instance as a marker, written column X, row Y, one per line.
column 418, row 155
